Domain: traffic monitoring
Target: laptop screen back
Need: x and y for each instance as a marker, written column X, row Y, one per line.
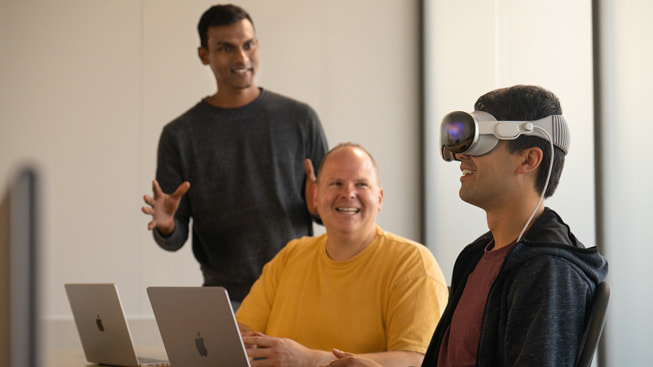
column 198, row 326
column 101, row 324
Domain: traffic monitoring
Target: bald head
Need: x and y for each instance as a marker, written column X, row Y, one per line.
column 358, row 149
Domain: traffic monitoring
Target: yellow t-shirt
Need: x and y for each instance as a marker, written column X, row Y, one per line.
column 388, row 297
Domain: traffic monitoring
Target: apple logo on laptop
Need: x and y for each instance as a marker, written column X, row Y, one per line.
column 199, row 343
column 98, row 322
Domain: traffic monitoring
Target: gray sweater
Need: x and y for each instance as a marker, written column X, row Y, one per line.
column 246, row 199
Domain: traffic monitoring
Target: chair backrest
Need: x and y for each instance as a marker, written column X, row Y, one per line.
column 594, row 327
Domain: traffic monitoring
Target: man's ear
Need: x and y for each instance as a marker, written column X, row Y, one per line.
column 380, row 198
column 531, row 158
column 203, row 54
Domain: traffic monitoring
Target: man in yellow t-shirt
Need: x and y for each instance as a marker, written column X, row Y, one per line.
column 355, row 288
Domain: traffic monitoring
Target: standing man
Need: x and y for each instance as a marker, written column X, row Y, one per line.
column 239, row 163
column 521, row 293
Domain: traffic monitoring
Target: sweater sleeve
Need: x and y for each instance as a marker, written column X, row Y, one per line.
column 170, row 174
column 546, row 314
column 317, row 139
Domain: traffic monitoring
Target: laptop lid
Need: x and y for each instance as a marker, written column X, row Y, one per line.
column 198, row 326
column 102, row 325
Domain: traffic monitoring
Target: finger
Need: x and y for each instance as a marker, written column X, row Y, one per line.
column 251, row 333
column 181, row 190
column 258, row 353
column 148, row 199
column 252, row 340
column 263, row 362
column 150, row 226
column 340, row 354
column 260, row 340
column 308, row 167
column 249, row 341
column 147, row 210
column 156, row 189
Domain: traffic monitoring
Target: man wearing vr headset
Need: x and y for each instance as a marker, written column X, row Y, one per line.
column 520, row 293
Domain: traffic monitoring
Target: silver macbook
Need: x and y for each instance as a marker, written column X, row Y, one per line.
column 102, row 326
column 198, row 326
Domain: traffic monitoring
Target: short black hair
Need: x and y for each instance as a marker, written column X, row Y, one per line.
column 218, row 15
column 527, row 103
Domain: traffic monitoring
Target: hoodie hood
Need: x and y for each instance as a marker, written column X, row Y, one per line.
column 550, row 235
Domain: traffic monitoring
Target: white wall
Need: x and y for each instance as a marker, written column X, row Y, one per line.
column 86, row 86
column 627, row 56
column 473, row 47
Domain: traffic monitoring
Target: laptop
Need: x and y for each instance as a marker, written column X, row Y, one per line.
column 102, row 326
column 198, row 326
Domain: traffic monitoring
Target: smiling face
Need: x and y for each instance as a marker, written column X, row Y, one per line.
column 488, row 181
column 348, row 195
column 232, row 54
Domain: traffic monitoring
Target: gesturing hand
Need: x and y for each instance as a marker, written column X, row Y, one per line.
column 162, row 207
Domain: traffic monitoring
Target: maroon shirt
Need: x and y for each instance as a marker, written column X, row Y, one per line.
column 460, row 343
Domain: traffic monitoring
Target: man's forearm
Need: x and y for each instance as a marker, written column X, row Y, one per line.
column 396, row 358
column 320, row 357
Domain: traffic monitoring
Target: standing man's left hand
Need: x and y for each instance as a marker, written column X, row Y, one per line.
column 311, row 182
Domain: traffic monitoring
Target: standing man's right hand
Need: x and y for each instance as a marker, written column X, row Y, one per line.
column 162, row 207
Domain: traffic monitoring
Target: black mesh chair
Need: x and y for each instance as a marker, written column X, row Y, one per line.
column 594, row 327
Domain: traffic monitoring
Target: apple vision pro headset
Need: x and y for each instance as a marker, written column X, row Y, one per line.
column 477, row 133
